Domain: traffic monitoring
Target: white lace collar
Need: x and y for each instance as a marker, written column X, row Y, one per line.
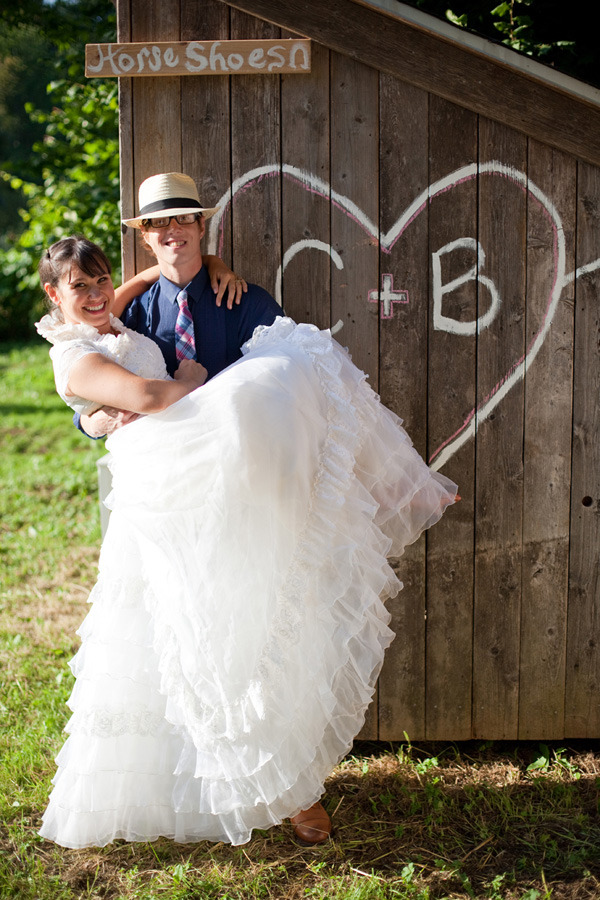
column 54, row 328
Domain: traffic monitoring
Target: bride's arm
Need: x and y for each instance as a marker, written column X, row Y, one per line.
column 134, row 287
column 101, row 380
column 222, row 279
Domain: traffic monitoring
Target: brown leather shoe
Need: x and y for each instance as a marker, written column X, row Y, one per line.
column 311, row 826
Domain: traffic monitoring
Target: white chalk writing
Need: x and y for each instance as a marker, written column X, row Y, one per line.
column 454, row 326
column 198, row 58
column 386, row 241
column 387, row 296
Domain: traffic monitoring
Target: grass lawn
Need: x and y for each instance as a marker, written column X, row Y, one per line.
column 427, row 822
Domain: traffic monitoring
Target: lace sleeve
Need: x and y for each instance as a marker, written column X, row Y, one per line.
column 64, row 355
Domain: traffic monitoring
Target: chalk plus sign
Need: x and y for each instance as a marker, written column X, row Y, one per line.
column 388, row 296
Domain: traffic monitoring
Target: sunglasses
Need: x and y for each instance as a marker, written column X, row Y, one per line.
column 163, row 221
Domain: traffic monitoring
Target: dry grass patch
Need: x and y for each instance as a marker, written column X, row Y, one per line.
column 44, row 610
column 430, row 821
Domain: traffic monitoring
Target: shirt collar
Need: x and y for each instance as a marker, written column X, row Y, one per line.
column 194, row 289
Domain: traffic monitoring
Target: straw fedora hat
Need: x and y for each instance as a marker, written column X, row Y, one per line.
column 171, row 194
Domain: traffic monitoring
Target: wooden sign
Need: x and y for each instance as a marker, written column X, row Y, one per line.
column 198, row 58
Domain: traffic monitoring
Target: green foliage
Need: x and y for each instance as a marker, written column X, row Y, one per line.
column 553, row 761
column 79, row 165
column 517, row 29
column 66, row 24
column 24, row 49
column 543, row 29
column 69, row 181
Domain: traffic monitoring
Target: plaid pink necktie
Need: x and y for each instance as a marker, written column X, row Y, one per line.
column 185, row 344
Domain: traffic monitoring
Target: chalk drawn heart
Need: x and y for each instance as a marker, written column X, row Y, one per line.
column 386, row 241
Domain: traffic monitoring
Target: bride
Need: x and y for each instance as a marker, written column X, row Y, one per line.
column 237, row 626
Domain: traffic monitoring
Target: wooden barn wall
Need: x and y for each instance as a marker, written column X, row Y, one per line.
column 352, row 181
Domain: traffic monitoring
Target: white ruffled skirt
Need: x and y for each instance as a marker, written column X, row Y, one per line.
column 237, row 627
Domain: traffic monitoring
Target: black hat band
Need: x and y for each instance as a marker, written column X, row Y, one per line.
column 170, row 203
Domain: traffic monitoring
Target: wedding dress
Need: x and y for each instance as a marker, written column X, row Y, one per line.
column 237, row 627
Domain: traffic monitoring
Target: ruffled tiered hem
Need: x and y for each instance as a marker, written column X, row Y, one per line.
column 238, row 625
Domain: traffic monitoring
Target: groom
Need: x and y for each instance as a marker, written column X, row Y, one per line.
column 172, row 223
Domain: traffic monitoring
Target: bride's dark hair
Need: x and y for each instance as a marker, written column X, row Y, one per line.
column 76, row 250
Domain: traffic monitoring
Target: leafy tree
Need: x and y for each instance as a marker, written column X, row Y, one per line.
column 79, row 163
column 548, row 30
column 517, row 27
column 70, row 182
column 24, row 51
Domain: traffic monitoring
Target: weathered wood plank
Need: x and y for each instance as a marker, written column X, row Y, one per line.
column 499, row 454
column 547, row 451
column 582, row 716
column 156, row 121
column 255, row 137
column 406, row 51
column 205, row 114
column 126, row 149
column 451, row 397
column 306, row 215
column 152, row 59
column 403, row 137
column 354, row 175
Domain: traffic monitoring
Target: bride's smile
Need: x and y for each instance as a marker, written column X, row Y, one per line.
column 84, row 299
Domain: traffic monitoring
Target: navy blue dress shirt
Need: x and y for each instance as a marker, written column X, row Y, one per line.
column 219, row 332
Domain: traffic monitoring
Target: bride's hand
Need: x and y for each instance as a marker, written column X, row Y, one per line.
column 192, row 371
column 106, row 420
column 223, row 279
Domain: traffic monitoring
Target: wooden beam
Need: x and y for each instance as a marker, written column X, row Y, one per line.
column 126, row 148
column 449, row 70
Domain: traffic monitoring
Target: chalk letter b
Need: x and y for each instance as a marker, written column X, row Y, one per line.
column 454, row 326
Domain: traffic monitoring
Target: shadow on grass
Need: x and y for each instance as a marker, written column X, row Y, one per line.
column 427, row 821
column 19, row 409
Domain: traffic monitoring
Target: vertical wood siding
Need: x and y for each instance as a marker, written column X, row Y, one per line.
column 403, row 175
column 362, row 200
column 451, row 395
